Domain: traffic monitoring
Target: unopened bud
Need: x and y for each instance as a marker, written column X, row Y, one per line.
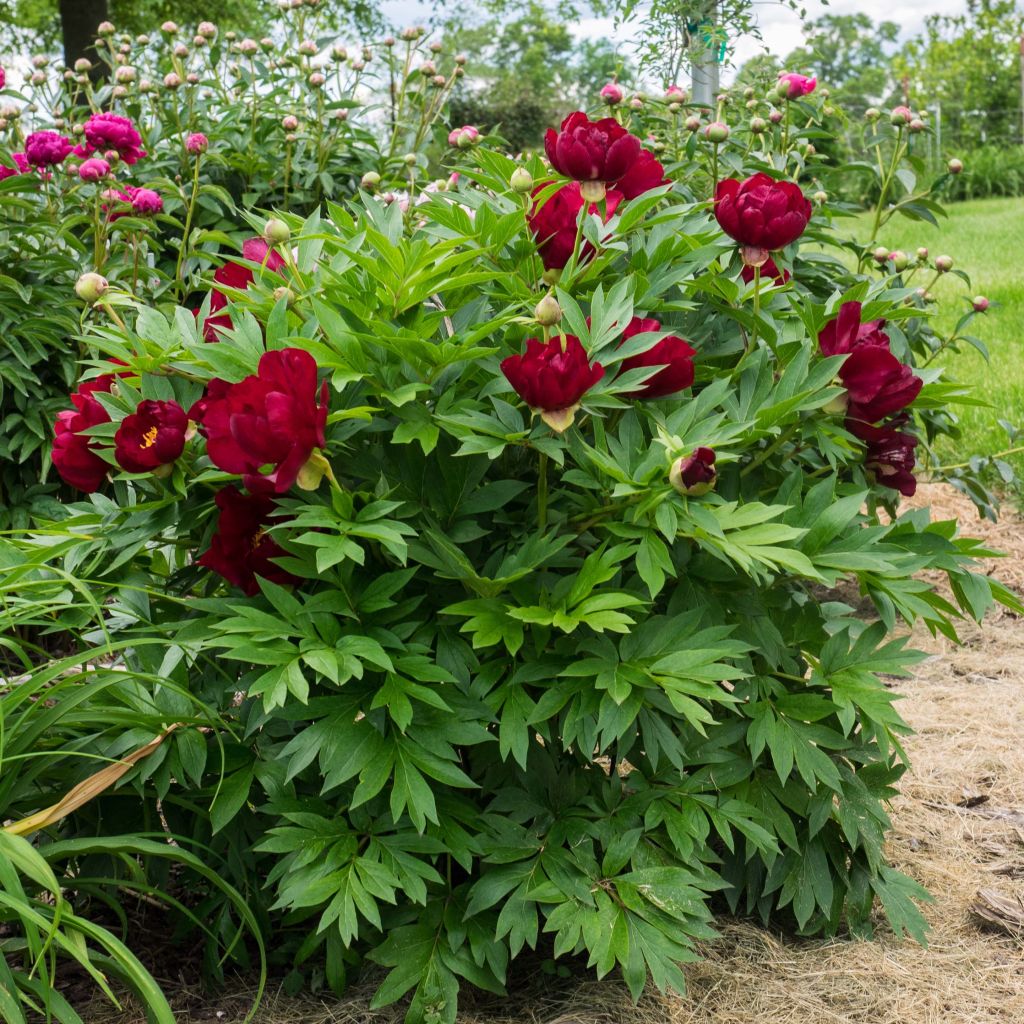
column 758, row 125
column 284, row 293
column 922, row 254
column 276, row 232
column 900, row 116
column 899, row 259
column 371, row 179
column 820, row 197
column 916, row 126
column 955, row 166
column 548, row 312
column 943, row 264
column 872, row 114
column 980, row 303
column 612, row 94
column 881, row 254
column 91, row 287
column 521, row 180
column 716, row 132
column 775, row 116
column 692, row 123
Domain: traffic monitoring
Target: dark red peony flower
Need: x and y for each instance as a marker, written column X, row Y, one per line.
column 552, row 379
column 74, row 453
column 44, row 149
column 241, row 549
column 152, row 436
column 761, row 212
column 269, row 419
column 235, row 275
column 672, row 353
column 695, row 474
column 889, row 454
column 845, row 332
column 104, row 132
column 768, row 269
column 591, row 150
column 553, row 223
column 877, row 383
column 645, row 173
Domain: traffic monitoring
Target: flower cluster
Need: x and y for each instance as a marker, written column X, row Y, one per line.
column 877, row 386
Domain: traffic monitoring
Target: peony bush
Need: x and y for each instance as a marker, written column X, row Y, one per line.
column 487, row 573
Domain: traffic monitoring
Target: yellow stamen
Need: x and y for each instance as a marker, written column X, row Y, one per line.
column 149, row 437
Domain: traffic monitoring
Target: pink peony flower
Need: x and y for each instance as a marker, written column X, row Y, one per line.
column 197, row 143
column 145, row 200
column 21, row 166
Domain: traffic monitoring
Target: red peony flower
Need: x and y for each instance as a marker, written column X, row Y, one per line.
column 241, row 549
column 45, row 149
column 552, row 379
column 271, row 418
column 761, row 212
column 553, row 223
column 845, row 332
column 145, row 201
column 671, row 353
column 797, row 85
column 603, row 151
column 695, row 474
column 889, row 454
column 21, row 166
column 74, row 453
column 112, row 131
column 877, row 384
column 645, row 174
column 591, row 150
column 152, row 436
column 768, row 269
column 235, row 275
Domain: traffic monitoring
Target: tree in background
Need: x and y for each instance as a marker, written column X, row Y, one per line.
column 970, row 64
column 527, row 72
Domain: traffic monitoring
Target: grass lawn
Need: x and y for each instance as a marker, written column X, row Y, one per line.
column 985, row 238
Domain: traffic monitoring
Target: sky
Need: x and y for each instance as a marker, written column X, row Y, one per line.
column 780, row 26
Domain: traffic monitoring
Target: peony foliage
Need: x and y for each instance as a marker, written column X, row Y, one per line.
column 515, row 569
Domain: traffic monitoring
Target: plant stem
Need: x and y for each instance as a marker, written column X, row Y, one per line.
column 188, row 221
column 542, row 493
column 770, row 450
column 757, row 305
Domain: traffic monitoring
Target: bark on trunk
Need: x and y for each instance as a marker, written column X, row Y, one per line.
column 79, row 20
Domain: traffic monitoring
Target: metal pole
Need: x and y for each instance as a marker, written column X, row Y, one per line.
column 704, row 62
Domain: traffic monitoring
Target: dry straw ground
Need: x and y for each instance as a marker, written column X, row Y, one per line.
column 959, row 829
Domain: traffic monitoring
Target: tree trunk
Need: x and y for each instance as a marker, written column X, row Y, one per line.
column 79, row 20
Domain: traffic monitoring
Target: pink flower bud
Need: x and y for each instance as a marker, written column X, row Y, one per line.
column 316, row 80
column 172, row 81
column 758, row 125
column 675, row 94
column 695, row 474
column 775, row 116
column 308, row 48
column 612, row 94
column 692, row 123
column 900, row 116
column 206, row 29
column 197, row 143
column 716, row 132
column 922, row 254
column 169, row 28
column 636, row 103
column 105, row 28
column 980, row 303
column 943, row 264
column 93, row 169
column 955, row 166
column 289, row 122
column 181, row 50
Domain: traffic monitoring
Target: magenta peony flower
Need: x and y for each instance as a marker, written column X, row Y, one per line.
column 797, row 85
column 145, row 201
column 197, row 143
column 46, row 149
column 112, row 131
column 21, row 166
column 612, row 94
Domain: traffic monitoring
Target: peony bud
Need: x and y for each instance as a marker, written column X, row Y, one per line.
column 694, row 475
column 289, row 122
column 980, row 303
column 83, row 64
column 758, row 125
column 955, row 166
column 943, row 264
column 206, row 29
column 460, row 59
column 105, row 28
column 636, row 103
column 775, row 116
column 674, row 108
column 316, row 80
column 276, row 232
column 169, row 28
column 181, row 50
column 548, row 312
column 716, row 132
column 820, row 197
column 612, row 94
column 922, row 254
column 900, row 116
column 308, row 48
column 125, row 74
column 371, row 179
column 916, row 126
column 172, row 81
column 284, row 293
column 197, row 143
column 91, row 287
column 872, row 114
column 881, row 254
column 692, row 123
column 521, row 180
column 409, row 159
column 899, row 260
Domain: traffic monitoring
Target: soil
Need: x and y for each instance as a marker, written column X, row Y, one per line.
column 958, row 829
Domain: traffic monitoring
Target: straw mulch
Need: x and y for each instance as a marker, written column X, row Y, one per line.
column 958, row 829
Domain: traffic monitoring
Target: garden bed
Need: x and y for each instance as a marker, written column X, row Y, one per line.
column 955, row 831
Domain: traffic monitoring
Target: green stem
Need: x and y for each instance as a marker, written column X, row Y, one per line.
column 757, row 305
column 964, row 465
column 188, row 221
column 883, row 195
column 542, row 493
column 768, row 452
